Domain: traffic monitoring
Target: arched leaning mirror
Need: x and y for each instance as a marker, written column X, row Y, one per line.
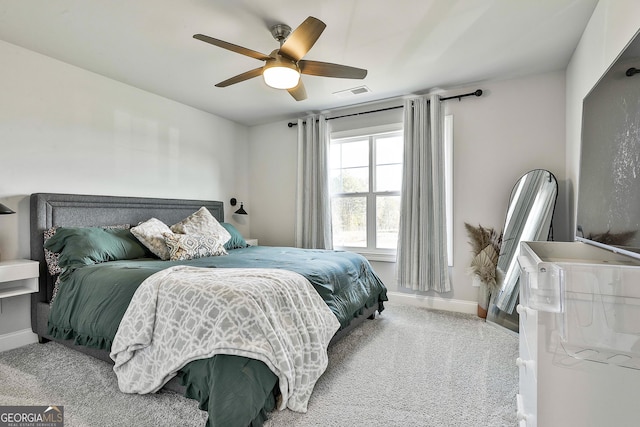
column 528, row 218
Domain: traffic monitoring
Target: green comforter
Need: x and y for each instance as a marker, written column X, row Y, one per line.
column 235, row 391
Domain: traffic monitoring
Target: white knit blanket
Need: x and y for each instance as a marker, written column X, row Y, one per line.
column 186, row 313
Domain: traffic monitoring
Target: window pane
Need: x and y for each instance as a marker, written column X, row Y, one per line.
column 335, row 156
column 389, row 150
column 355, row 180
column 355, row 153
column 349, row 167
column 335, row 181
column 349, row 221
column 389, row 178
column 387, row 221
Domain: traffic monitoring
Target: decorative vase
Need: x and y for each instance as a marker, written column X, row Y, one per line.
column 483, row 297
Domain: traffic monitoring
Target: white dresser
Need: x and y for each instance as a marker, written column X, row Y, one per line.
column 579, row 358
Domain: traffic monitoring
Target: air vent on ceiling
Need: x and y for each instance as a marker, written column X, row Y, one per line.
column 353, row 91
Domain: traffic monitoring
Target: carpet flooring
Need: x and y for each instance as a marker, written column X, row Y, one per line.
column 409, row 367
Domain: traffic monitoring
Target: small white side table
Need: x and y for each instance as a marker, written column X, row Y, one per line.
column 18, row 277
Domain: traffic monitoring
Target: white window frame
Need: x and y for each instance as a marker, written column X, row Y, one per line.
column 370, row 252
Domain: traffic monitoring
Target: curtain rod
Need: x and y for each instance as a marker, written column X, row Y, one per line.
column 477, row 92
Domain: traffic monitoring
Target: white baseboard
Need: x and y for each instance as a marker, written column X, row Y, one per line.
column 17, row 339
column 436, row 303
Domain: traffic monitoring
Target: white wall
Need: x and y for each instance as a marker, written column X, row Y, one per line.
column 611, row 27
column 518, row 125
column 272, row 173
column 67, row 130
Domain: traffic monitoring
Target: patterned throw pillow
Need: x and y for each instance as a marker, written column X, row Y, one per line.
column 56, row 288
column 202, row 222
column 51, row 257
column 151, row 234
column 190, row 246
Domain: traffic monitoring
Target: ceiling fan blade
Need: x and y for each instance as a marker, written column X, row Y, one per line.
column 302, row 38
column 241, row 77
column 232, row 47
column 327, row 69
column 298, row 92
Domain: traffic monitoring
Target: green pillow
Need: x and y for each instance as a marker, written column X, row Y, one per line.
column 91, row 245
column 236, row 241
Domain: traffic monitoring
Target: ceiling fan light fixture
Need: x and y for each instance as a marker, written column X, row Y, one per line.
column 281, row 74
column 283, row 66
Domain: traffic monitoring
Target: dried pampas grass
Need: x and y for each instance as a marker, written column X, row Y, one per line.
column 485, row 243
column 481, row 237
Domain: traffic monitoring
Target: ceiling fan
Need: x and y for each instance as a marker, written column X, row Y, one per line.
column 283, row 66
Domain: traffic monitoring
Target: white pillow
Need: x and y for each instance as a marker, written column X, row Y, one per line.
column 202, row 222
column 151, row 234
column 191, row 246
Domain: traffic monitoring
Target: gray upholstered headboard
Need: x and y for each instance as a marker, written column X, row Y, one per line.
column 49, row 209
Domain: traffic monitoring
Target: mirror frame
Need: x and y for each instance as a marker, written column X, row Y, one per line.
column 528, row 197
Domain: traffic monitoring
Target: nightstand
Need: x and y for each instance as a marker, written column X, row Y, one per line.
column 252, row 242
column 18, row 277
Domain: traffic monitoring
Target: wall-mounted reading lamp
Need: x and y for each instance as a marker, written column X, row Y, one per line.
column 240, row 211
column 631, row 71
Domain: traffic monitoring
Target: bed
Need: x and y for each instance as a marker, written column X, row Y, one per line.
column 234, row 389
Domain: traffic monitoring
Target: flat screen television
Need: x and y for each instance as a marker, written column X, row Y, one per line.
column 608, row 208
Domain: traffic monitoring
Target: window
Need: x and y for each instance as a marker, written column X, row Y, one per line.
column 365, row 172
column 365, row 182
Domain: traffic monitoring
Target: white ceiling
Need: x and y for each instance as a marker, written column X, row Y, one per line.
column 408, row 46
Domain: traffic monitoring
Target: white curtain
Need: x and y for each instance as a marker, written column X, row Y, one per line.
column 422, row 241
column 313, row 210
